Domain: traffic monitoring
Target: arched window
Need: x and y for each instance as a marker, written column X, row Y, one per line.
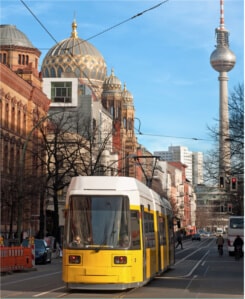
column 6, row 115
column 13, row 118
column 60, row 71
column 6, row 159
column 112, row 110
column 19, row 59
column 46, row 73
column 125, row 123
column 24, row 124
column 11, row 160
column 53, row 73
column 130, row 124
column 18, row 121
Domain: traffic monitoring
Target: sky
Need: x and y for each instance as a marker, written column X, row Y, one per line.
column 162, row 55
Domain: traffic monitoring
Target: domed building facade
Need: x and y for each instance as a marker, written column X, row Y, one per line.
column 75, row 77
column 23, row 104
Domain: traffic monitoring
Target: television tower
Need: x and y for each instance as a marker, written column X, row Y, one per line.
column 223, row 60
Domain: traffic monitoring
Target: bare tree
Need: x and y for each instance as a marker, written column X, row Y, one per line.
column 71, row 146
column 236, row 139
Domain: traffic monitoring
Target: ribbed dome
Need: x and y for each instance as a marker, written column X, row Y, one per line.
column 10, row 35
column 74, row 55
column 112, row 83
column 127, row 97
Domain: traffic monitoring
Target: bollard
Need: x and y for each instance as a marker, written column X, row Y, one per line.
column 32, row 245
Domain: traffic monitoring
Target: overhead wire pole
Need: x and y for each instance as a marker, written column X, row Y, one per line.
column 148, row 179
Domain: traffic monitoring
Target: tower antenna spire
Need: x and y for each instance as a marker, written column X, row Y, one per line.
column 222, row 15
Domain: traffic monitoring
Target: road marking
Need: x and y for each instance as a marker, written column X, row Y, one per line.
column 190, row 273
column 29, row 278
column 203, row 263
column 205, row 273
column 44, row 293
column 190, row 282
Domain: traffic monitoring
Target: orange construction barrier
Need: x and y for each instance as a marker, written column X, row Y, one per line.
column 15, row 258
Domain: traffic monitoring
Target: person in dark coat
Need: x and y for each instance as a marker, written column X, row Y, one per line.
column 179, row 241
column 238, row 242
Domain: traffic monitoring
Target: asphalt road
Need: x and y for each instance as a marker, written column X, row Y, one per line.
column 198, row 273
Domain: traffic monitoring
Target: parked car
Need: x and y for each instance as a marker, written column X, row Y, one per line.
column 196, row 237
column 43, row 254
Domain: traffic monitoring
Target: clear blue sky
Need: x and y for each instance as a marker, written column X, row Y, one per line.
column 162, row 56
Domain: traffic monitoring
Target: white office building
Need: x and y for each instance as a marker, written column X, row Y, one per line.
column 193, row 161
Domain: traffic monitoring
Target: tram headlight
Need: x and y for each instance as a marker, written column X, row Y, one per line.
column 120, row 260
column 74, row 259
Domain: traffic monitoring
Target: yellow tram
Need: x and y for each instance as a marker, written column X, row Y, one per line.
column 118, row 234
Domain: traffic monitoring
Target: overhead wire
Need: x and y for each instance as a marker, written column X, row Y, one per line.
column 170, row 136
column 104, row 31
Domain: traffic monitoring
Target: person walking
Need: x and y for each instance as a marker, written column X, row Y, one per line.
column 238, row 244
column 179, row 240
column 220, row 242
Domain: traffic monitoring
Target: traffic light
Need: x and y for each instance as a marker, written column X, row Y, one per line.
column 233, row 186
column 222, row 182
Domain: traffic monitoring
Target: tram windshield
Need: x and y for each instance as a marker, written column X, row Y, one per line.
column 98, row 222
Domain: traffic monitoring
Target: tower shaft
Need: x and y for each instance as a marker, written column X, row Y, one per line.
column 224, row 143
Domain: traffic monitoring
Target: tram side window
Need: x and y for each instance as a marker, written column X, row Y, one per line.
column 162, row 230
column 149, row 230
column 135, row 229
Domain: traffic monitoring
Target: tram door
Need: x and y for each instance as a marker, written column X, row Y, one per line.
column 158, row 243
column 143, row 242
column 171, row 240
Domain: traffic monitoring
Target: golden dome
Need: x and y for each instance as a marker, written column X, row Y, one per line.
column 74, row 55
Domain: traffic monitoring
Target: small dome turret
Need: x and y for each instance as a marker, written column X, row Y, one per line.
column 127, row 97
column 112, row 83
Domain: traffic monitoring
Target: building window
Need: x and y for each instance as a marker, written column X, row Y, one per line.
column 112, row 110
column 13, row 119
column 3, row 58
column 125, row 123
column 18, row 121
column 24, row 124
column 7, row 116
column 61, row 92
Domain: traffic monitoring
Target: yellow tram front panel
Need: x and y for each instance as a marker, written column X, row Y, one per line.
column 100, row 267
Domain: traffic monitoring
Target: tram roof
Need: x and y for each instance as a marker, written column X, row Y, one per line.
column 83, row 184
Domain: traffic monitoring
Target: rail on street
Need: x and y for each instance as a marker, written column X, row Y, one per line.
column 198, row 272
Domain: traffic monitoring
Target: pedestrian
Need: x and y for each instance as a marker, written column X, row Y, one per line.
column 238, row 244
column 220, row 242
column 179, row 241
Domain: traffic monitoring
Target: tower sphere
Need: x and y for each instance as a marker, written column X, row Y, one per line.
column 222, row 59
